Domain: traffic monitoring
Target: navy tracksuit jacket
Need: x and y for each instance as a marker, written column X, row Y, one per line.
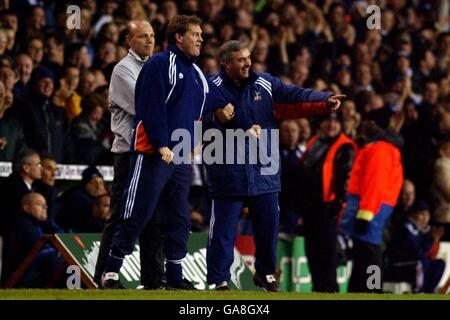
column 171, row 93
column 258, row 100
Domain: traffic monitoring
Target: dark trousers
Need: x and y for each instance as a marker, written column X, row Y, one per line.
column 423, row 275
column 320, row 231
column 364, row 254
column 225, row 214
column 151, row 239
column 152, row 183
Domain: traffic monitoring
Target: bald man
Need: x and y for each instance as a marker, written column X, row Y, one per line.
column 141, row 42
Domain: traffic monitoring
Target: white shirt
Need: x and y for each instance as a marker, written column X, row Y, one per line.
column 121, row 100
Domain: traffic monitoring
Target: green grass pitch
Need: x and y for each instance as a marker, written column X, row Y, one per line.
column 52, row 294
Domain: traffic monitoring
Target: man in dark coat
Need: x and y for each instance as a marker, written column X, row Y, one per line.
column 45, row 126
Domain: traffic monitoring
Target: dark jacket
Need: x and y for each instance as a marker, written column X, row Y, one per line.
column 12, row 191
column 25, row 232
column 408, row 243
column 75, row 214
column 11, row 129
column 312, row 174
column 45, row 127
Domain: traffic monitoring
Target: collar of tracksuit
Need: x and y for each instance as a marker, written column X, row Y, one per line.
column 180, row 54
column 230, row 83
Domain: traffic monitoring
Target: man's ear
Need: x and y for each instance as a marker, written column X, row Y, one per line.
column 26, row 208
column 178, row 38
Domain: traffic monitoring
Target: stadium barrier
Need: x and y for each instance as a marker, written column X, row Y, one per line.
column 82, row 249
column 292, row 261
column 70, row 172
column 295, row 275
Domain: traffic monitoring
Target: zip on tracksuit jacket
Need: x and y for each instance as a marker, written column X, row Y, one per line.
column 261, row 100
column 158, row 115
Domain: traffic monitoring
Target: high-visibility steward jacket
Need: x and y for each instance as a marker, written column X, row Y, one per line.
column 374, row 186
column 328, row 188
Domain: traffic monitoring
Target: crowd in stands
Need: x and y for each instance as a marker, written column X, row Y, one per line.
column 54, row 106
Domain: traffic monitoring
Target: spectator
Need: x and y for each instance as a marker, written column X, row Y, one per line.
column 304, row 133
column 76, row 211
column 66, row 96
column 12, row 139
column 47, row 188
column 101, row 209
column 440, row 190
column 26, row 169
column 87, row 131
column 411, row 252
column 25, row 232
column 35, row 49
column 54, row 53
column 87, row 83
column 23, row 67
column 45, row 125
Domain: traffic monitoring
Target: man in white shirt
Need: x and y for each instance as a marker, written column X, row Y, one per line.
column 141, row 40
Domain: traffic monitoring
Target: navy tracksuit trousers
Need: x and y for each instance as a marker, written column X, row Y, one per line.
column 152, row 184
column 225, row 213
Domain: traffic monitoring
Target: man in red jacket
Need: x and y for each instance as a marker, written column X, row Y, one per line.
column 372, row 193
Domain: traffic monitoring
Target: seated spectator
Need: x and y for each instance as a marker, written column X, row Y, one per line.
column 77, row 204
column 25, row 232
column 87, row 131
column 25, row 170
column 101, row 209
column 46, row 187
column 440, row 189
column 410, row 254
column 406, row 200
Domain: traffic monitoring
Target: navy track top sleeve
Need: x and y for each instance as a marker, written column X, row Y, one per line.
column 151, row 93
column 294, row 94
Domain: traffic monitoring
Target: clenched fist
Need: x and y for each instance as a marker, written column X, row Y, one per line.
column 225, row 114
column 255, row 130
column 166, row 154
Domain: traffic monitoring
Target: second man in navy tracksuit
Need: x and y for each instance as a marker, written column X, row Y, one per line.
column 261, row 98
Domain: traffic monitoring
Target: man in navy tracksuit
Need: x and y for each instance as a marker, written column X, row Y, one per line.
column 261, row 98
column 171, row 93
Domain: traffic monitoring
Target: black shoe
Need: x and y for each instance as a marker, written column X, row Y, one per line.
column 184, row 285
column 268, row 282
column 155, row 286
column 111, row 280
column 222, row 286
